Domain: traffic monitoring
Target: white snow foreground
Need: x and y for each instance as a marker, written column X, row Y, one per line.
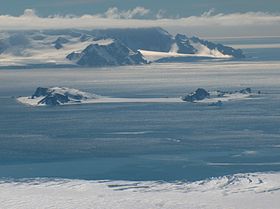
column 240, row 191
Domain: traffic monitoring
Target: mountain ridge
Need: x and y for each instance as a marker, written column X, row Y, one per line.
column 106, row 47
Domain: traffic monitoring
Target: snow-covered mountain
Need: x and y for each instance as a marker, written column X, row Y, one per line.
column 195, row 45
column 108, row 53
column 104, row 47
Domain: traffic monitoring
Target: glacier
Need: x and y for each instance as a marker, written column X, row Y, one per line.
column 110, row 47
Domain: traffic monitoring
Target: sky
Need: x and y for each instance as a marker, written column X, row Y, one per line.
column 208, row 18
column 172, row 7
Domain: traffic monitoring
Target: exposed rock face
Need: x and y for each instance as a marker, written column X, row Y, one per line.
column 199, row 94
column 41, row 91
column 184, row 45
column 112, row 54
column 58, row 46
column 242, row 91
column 49, row 48
column 60, row 95
column 246, row 91
column 61, row 40
column 54, row 99
column 153, row 39
column 217, row 98
column 58, row 43
column 187, row 46
column 225, row 50
column 216, row 104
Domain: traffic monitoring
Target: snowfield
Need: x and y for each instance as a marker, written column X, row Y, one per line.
column 240, row 191
column 154, row 55
column 97, row 48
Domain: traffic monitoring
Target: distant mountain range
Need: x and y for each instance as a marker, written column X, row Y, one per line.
column 110, row 47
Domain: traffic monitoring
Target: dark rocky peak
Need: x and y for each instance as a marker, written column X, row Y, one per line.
column 41, row 91
column 54, row 99
column 199, row 94
column 107, row 54
column 184, row 45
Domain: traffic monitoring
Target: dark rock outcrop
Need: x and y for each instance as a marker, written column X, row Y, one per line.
column 112, row 54
column 246, row 91
column 58, row 43
column 199, row 94
column 61, row 40
column 60, row 95
column 54, row 99
column 58, row 46
column 40, row 91
column 184, row 45
column 153, row 39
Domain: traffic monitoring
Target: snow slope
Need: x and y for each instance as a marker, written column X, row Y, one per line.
column 240, row 191
column 102, row 47
column 155, row 56
column 113, row 53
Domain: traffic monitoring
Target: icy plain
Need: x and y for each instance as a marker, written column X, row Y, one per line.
column 143, row 155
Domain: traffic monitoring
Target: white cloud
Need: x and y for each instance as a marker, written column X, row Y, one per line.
column 114, row 13
column 208, row 24
column 161, row 14
column 208, row 13
column 29, row 13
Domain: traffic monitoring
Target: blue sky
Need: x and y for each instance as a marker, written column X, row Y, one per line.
column 172, row 7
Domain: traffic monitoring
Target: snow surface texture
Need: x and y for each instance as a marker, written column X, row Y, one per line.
column 240, row 191
column 66, row 96
column 104, row 48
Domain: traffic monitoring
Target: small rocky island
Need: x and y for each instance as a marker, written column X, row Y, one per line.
column 215, row 98
column 57, row 96
column 198, row 95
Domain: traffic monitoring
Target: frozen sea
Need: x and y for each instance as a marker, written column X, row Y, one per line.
column 138, row 145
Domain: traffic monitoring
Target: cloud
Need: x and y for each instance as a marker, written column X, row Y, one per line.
column 208, row 13
column 29, row 13
column 161, row 14
column 114, row 13
column 207, row 24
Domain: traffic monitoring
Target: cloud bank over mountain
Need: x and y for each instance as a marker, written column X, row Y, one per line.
column 207, row 24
